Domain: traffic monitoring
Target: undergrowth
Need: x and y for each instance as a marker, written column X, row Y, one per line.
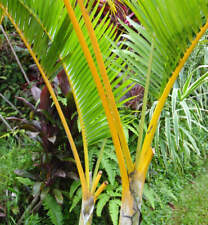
column 192, row 205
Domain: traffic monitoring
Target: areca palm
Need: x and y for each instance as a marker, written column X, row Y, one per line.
column 157, row 50
column 50, row 37
column 175, row 28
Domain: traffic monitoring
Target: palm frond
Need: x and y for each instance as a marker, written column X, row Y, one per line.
column 53, row 38
column 173, row 25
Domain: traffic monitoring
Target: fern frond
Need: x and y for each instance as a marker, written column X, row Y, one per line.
column 54, row 210
column 109, row 163
column 103, row 199
column 76, row 199
column 114, row 206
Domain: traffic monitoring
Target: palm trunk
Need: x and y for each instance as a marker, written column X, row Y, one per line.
column 87, row 211
column 130, row 213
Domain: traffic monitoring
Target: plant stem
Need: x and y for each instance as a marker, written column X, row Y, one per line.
column 8, row 126
column 11, row 104
column 142, row 120
column 15, row 55
column 86, row 210
column 27, row 210
column 98, row 161
column 107, row 86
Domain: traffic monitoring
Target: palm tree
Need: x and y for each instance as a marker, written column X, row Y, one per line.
column 169, row 32
column 65, row 33
column 49, row 34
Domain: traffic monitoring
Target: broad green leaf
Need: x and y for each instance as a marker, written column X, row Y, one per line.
column 187, row 113
column 174, row 99
column 25, row 181
column 176, row 127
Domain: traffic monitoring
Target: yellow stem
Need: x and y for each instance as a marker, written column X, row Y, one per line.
column 153, row 123
column 96, row 181
column 109, row 93
column 121, row 162
column 98, row 161
column 1, row 19
column 59, row 110
column 142, row 168
column 100, row 189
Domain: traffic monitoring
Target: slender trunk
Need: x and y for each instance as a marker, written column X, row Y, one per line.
column 130, row 213
column 131, row 204
column 87, row 211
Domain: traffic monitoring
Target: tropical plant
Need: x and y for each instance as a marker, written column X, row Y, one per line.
column 156, row 53
column 69, row 54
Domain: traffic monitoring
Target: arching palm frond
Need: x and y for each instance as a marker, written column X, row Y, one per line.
column 47, row 28
column 173, row 25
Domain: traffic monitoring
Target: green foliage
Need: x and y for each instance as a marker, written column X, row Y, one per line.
column 181, row 122
column 192, row 205
column 54, row 46
column 15, row 190
column 101, row 203
column 33, row 220
column 171, row 26
column 114, row 206
column 109, row 163
column 25, row 181
column 164, row 190
column 11, row 85
column 12, row 157
column 76, row 198
column 175, row 140
column 110, row 199
column 54, row 210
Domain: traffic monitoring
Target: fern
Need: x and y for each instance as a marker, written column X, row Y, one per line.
column 111, row 198
column 103, row 199
column 76, row 199
column 73, row 188
column 54, row 210
column 33, row 220
column 93, row 155
column 109, row 163
column 114, row 206
column 149, row 195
